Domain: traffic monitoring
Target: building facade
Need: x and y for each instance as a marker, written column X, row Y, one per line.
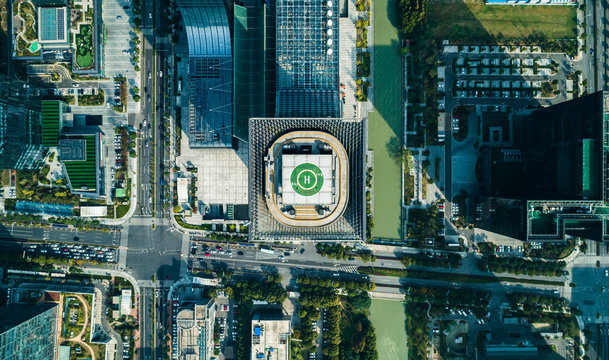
column 28, row 332
column 20, row 134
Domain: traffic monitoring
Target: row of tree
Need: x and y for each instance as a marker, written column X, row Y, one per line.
column 432, row 260
column 347, row 285
column 342, row 252
column 516, row 265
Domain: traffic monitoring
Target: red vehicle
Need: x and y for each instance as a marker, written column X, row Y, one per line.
column 207, row 254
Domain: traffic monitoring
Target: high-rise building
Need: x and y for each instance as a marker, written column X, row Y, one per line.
column 28, row 332
column 210, row 83
column 20, row 134
column 307, row 59
column 552, row 181
column 307, row 179
column 306, row 164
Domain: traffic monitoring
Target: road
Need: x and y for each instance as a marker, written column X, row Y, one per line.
column 146, row 323
column 146, row 163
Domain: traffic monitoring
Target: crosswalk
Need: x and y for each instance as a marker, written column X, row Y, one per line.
column 347, row 269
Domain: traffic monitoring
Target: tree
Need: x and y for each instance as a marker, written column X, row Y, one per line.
column 136, row 68
column 411, row 13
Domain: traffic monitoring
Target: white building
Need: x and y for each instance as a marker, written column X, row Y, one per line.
column 93, row 211
column 126, row 302
column 183, row 190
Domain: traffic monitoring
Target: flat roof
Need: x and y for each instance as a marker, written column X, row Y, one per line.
column 82, row 174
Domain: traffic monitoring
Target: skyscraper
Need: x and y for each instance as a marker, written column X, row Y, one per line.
column 28, row 332
column 20, row 134
column 307, row 59
column 210, row 117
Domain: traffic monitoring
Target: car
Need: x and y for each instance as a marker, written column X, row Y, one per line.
column 281, row 257
column 118, row 17
column 239, row 252
column 207, row 254
column 606, row 272
column 75, row 84
column 148, row 98
column 161, row 73
column 149, row 15
column 144, row 123
column 156, row 293
column 126, row 52
column 149, row 75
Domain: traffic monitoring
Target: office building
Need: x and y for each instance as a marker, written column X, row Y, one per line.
column 551, row 183
column 210, row 98
column 307, row 59
column 28, row 332
column 307, row 179
column 20, row 134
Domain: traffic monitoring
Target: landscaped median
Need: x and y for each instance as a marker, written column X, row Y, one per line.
column 452, row 277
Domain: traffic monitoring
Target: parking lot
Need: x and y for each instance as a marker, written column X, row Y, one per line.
column 493, row 75
column 74, row 251
column 117, row 58
column 117, row 51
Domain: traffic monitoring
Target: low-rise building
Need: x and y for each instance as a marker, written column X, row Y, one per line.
column 183, row 190
column 270, row 335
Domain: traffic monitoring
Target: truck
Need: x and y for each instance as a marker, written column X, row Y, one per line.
column 267, row 251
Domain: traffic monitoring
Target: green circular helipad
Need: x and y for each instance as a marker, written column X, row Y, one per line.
column 307, row 179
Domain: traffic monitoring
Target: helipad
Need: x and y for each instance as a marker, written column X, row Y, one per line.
column 306, row 176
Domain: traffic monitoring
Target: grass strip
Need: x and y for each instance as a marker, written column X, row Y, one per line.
column 441, row 276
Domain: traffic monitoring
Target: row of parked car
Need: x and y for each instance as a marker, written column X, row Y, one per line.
column 74, row 251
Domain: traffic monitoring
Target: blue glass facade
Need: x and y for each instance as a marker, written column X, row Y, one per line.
column 28, row 332
column 210, row 73
column 307, row 59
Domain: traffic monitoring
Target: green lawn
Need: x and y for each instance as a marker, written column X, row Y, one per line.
column 467, row 21
column 385, row 123
column 121, row 211
column 84, row 46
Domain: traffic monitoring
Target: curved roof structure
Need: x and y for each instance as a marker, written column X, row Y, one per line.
column 206, row 27
column 210, row 73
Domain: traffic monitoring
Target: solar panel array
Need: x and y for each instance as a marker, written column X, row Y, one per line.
column 60, row 24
